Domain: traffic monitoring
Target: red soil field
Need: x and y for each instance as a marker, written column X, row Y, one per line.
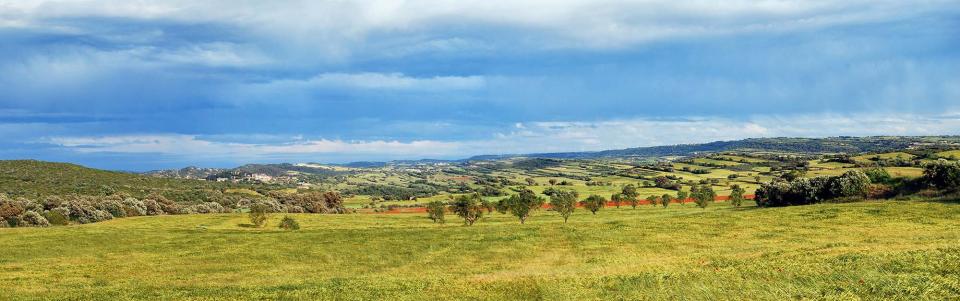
column 545, row 206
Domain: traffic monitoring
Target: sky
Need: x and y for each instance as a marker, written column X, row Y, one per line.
column 142, row 85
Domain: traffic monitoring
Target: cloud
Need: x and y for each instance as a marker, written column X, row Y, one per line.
column 340, row 28
column 387, row 81
column 528, row 137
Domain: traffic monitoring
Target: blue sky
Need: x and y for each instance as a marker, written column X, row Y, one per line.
column 140, row 85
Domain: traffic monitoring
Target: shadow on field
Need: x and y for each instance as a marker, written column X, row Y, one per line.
column 247, row 226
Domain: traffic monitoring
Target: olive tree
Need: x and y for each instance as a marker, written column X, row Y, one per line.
column 468, row 207
column 665, row 200
column 630, row 194
column 523, row 203
column 564, row 202
column 653, row 200
column 435, row 211
column 704, row 196
column 736, row 195
column 594, row 203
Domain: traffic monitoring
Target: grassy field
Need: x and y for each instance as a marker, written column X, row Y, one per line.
column 907, row 250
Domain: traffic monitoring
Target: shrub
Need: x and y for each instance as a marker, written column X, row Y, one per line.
column 152, row 207
column 32, row 218
column 134, row 207
column 850, row 185
column 288, row 223
column 258, row 214
column 853, row 183
column 114, row 207
column 436, row 211
column 57, row 216
column 879, row 175
column 942, row 175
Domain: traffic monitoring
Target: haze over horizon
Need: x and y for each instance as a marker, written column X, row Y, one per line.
column 140, row 85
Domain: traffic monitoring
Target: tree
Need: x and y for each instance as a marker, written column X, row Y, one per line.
column 531, row 182
column 704, row 196
column 653, row 200
column 736, row 195
column 468, row 207
column 682, row 196
column 552, row 181
column 564, row 202
column 435, row 211
column 630, row 194
column 520, row 205
column 258, row 214
column 665, row 200
column 594, row 203
column 488, row 205
column 616, row 199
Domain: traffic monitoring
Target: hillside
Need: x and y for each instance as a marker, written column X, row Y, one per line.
column 34, row 179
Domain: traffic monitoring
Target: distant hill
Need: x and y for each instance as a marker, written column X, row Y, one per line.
column 851, row 145
column 30, row 178
column 191, row 172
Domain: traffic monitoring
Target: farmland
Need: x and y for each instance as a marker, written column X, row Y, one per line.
column 867, row 250
column 900, row 241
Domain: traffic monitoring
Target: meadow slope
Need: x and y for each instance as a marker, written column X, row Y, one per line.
column 904, row 250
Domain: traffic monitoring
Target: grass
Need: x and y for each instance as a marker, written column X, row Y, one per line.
column 907, row 250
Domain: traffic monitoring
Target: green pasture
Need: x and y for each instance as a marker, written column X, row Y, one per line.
column 877, row 250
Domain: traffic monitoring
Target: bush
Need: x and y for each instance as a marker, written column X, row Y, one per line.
column 58, row 216
column 134, row 207
column 32, row 218
column 114, row 207
column 288, row 223
column 851, row 185
column 435, row 211
column 942, row 175
column 258, row 214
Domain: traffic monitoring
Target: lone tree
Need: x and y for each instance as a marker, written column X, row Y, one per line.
column 653, row 200
column 682, row 197
column 736, row 195
column 616, row 198
column 435, row 211
column 665, row 200
column 520, row 205
column 564, row 202
column 630, row 194
column 594, row 203
column 258, row 214
column 468, row 207
column 704, row 196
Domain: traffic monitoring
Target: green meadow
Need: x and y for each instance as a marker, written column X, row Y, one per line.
column 892, row 250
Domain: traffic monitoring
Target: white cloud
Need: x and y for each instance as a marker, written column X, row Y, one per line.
column 338, row 27
column 393, row 81
column 532, row 137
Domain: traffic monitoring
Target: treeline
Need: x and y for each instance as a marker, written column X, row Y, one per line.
column 855, row 185
column 78, row 209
